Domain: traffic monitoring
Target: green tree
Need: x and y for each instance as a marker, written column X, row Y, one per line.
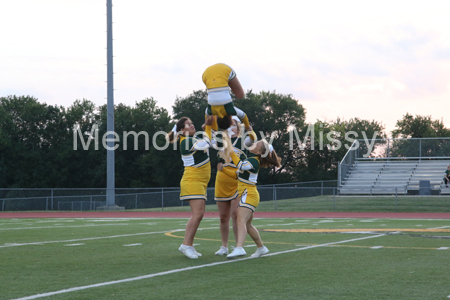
column 87, row 168
column 420, row 127
column 271, row 115
column 137, row 162
column 32, row 132
column 367, row 133
column 326, row 144
column 193, row 106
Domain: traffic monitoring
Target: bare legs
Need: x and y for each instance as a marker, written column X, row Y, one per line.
column 197, row 210
column 244, row 226
column 227, row 209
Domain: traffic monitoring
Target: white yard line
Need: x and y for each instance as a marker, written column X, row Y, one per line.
column 95, row 238
column 63, row 226
column 443, row 227
column 79, row 288
column 87, row 239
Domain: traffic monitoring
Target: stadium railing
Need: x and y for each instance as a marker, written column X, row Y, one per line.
column 355, row 174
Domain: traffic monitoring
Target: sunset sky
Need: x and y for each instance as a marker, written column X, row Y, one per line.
column 369, row 59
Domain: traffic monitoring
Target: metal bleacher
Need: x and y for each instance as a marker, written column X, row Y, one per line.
column 393, row 177
column 390, row 175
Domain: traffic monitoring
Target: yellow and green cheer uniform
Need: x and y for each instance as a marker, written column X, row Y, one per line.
column 226, row 185
column 216, row 78
column 248, row 176
column 197, row 167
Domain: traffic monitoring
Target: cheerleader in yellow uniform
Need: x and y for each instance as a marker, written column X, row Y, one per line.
column 196, row 176
column 261, row 155
column 219, row 78
column 226, row 185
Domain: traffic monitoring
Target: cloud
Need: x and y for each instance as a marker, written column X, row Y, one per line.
column 347, row 59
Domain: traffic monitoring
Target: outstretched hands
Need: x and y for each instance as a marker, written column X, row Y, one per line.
column 209, row 121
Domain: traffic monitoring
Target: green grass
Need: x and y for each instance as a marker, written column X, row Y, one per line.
column 47, row 255
column 343, row 204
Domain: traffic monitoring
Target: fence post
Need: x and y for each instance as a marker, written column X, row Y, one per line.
column 52, row 199
column 90, row 203
column 339, row 173
column 321, row 189
column 387, row 156
column 162, row 199
column 135, row 202
column 334, row 198
column 396, row 200
column 274, row 196
column 3, row 205
column 420, row 148
column 46, row 203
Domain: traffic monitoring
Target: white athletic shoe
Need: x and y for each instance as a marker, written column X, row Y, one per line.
column 188, row 251
column 260, row 251
column 222, row 251
column 238, row 251
column 196, row 253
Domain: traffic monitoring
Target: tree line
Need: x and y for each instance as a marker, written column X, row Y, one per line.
column 37, row 141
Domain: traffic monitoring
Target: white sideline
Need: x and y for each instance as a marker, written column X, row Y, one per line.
column 74, row 289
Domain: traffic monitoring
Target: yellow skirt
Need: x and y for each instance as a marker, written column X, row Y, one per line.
column 248, row 195
column 222, row 110
column 226, row 188
column 194, row 182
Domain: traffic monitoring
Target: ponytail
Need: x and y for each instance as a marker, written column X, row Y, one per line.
column 228, row 147
column 271, row 158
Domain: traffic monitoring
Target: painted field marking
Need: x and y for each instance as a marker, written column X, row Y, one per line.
column 78, row 244
column 130, row 245
column 170, row 234
column 376, row 247
column 326, row 230
column 286, row 224
column 443, row 248
column 86, row 239
column 96, row 238
column 63, row 226
column 441, row 227
column 75, row 289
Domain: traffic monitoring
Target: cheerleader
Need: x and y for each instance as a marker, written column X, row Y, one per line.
column 226, row 185
column 219, row 78
column 197, row 173
column 263, row 155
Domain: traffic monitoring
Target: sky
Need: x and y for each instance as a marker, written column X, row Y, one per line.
column 375, row 60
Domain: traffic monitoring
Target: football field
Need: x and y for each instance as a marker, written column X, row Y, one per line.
column 310, row 258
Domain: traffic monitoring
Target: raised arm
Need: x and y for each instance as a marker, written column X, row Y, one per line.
column 243, row 165
column 214, row 125
column 205, row 143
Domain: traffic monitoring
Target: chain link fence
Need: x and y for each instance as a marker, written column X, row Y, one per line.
column 144, row 198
